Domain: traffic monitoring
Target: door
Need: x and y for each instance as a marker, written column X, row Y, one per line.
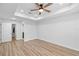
column 13, row 32
column 6, row 32
column 0, row 33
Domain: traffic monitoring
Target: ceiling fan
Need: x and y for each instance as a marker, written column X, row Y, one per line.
column 41, row 7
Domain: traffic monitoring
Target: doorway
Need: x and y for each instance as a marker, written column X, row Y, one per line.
column 23, row 31
column 13, row 32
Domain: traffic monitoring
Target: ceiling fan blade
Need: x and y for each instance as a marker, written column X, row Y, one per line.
column 37, row 4
column 34, row 9
column 47, row 10
column 47, row 5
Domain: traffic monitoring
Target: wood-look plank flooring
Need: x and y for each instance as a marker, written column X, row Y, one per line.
column 34, row 48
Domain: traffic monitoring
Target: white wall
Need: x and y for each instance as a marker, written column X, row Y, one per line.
column 62, row 30
column 29, row 31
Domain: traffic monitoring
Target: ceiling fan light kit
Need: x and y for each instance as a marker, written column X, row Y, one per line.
column 41, row 10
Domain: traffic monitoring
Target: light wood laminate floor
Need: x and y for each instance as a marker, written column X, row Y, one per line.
column 34, row 48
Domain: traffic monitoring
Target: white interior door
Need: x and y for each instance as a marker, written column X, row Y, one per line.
column 0, row 33
column 6, row 32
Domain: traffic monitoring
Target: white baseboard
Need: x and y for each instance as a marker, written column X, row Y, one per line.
column 29, row 39
column 61, row 44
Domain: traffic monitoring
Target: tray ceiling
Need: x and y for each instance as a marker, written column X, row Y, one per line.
column 14, row 10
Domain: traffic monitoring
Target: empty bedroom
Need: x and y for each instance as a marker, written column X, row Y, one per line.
column 39, row 29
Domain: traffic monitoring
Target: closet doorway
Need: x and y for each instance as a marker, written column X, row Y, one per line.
column 23, row 31
column 13, row 32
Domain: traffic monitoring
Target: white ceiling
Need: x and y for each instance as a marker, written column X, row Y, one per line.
column 14, row 10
